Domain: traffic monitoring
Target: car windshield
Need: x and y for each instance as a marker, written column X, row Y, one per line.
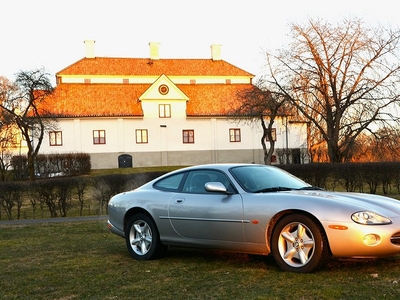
column 259, row 178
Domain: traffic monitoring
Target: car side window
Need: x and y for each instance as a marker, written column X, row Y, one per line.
column 196, row 181
column 170, row 183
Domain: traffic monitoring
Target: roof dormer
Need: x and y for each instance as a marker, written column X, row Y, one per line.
column 163, row 89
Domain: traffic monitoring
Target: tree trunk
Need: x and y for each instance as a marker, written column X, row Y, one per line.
column 267, row 133
column 335, row 155
column 31, row 167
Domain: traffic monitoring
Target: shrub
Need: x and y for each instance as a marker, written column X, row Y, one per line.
column 11, row 195
column 55, row 194
column 53, row 165
column 107, row 186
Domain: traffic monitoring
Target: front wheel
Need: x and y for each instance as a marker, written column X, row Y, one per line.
column 142, row 238
column 299, row 244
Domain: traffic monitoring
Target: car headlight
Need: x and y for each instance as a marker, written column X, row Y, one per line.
column 369, row 218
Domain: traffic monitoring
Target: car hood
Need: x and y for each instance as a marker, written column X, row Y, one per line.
column 384, row 205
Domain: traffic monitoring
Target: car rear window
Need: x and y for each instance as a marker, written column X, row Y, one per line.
column 170, row 183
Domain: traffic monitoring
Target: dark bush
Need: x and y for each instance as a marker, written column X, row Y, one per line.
column 81, row 185
column 353, row 177
column 135, row 180
column 77, row 163
column 348, row 176
column 20, row 167
column 58, row 194
column 34, row 197
column 64, row 189
column 107, row 186
column 11, row 196
column 45, row 192
column 53, row 165
column 316, row 174
column 55, row 194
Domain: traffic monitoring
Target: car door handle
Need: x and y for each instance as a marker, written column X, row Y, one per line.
column 179, row 200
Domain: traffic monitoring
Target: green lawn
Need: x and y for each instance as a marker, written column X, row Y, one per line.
column 82, row 260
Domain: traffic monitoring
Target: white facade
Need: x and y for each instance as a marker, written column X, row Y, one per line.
column 195, row 103
column 165, row 142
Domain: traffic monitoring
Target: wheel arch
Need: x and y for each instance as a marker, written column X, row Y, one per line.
column 133, row 211
column 275, row 219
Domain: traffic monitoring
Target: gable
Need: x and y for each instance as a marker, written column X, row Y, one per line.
column 163, row 89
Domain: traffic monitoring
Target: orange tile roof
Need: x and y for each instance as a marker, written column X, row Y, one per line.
column 84, row 100
column 211, row 99
column 102, row 100
column 147, row 67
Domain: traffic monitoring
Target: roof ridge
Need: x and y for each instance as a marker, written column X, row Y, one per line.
column 126, row 66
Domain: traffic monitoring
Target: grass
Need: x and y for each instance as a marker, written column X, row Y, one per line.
column 82, row 260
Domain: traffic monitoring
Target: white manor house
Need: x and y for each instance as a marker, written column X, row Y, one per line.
column 135, row 112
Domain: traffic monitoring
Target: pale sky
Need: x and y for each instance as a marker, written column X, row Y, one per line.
column 50, row 33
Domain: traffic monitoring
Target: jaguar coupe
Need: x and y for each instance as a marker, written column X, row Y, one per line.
column 255, row 209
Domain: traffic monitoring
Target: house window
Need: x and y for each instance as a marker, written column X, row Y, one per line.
column 273, row 133
column 141, row 136
column 188, row 136
column 164, row 110
column 55, row 138
column 234, row 135
column 99, row 137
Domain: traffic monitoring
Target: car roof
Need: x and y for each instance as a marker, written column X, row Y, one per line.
column 217, row 166
column 220, row 165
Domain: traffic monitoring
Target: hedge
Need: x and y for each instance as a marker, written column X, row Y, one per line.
column 56, row 197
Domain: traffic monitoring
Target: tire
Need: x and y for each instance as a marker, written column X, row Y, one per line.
column 299, row 244
column 142, row 238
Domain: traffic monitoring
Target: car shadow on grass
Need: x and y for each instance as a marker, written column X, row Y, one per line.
column 239, row 260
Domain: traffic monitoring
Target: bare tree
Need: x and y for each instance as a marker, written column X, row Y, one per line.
column 32, row 88
column 8, row 132
column 342, row 78
column 384, row 145
column 257, row 104
column 7, row 144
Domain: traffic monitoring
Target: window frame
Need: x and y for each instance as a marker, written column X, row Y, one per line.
column 140, row 137
column 172, row 183
column 236, row 136
column 188, row 136
column 101, row 140
column 53, row 136
column 164, row 110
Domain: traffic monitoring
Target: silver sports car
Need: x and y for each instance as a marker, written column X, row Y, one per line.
column 254, row 209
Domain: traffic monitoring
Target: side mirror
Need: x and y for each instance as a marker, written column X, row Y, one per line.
column 216, row 187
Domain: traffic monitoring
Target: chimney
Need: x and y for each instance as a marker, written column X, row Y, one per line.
column 216, row 52
column 89, row 45
column 154, row 55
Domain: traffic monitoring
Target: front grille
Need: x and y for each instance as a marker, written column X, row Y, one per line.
column 395, row 239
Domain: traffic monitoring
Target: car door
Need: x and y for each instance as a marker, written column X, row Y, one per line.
column 196, row 213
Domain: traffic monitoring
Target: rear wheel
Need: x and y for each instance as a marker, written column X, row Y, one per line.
column 299, row 244
column 142, row 238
